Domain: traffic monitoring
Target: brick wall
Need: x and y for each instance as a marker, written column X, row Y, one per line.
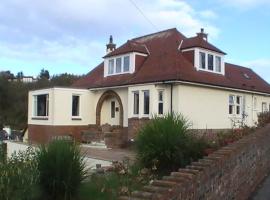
column 134, row 124
column 43, row 133
column 232, row 172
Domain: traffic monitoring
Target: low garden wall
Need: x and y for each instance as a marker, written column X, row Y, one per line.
column 233, row 172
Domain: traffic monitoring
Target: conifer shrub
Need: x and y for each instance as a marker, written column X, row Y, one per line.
column 61, row 168
column 165, row 143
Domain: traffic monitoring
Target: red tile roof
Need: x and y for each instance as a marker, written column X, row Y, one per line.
column 199, row 42
column 167, row 63
column 129, row 46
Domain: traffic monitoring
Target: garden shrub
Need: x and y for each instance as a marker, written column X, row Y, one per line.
column 263, row 118
column 165, row 144
column 2, row 152
column 19, row 177
column 61, row 168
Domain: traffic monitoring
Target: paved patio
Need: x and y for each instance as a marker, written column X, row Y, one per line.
column 108, row 154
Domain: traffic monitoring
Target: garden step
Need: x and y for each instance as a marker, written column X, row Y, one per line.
column 154, row 189
column 183, row 174
column 142, row 194
column 129, row 198
column 168, row 184
column 199, row 168
column 178, row 180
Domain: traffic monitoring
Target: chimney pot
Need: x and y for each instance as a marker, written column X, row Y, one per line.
column 111, row 46
column 202, row 34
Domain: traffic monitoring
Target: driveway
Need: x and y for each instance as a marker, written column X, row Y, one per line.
column 263, row 191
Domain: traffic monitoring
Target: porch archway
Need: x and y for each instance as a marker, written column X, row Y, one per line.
column 104, row 96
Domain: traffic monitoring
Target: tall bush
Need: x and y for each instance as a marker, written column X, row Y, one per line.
column 61, row 168
column 164, row 143
column 19, row 177
column 263, row 118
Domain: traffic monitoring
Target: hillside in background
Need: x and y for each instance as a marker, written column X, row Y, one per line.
column 14, row 95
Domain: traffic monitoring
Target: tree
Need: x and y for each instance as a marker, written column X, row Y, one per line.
column 44, row 74
column 19, row 75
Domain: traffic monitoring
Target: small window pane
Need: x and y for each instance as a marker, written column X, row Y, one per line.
column 231, row 99
column 202, row 60
column 126, row 64
column 230, row 109
column 210, row 62
column 146, row 102
column 160, row 102
column 111, row 66
column 160, row 96
column 136, row 103
column 42, row 105
column 160, row 108
column 118, row 65
column 218, row 64
column 238, row 110
column 75, row 105
column 238, row 100
column 112, row 109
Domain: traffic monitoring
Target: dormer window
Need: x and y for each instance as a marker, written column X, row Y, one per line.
column 209, row 61
column 121, row 64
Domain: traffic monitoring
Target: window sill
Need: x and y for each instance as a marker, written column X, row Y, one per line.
column 76, row 118
column 40, row 118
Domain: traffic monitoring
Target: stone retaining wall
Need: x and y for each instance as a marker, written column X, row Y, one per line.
column 233, row 172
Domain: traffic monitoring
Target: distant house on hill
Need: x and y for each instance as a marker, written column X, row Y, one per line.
column 153, row 74
column 24, row 79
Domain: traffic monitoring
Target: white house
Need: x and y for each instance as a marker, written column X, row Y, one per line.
column 153, row 74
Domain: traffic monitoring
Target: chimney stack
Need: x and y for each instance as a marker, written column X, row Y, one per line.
column 202, row 34
column 111, row 46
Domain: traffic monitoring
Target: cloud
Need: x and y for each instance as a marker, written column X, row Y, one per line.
column 260, row 66
column 76, row 30
column 245, row 4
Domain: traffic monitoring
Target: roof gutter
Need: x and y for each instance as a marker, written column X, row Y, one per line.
column 183, row 82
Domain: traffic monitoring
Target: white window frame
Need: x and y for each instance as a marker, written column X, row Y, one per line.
column 160, row 101
column 138, row 106
column 35, row 106
column 126, row 71
column 264, row 107
column 79, row 106
column 197, row 51
column 121, row 65
column 144, row 91
column 111, row 66
column 236, row 105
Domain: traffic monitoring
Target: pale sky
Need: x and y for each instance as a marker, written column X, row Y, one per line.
column 70, row 35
